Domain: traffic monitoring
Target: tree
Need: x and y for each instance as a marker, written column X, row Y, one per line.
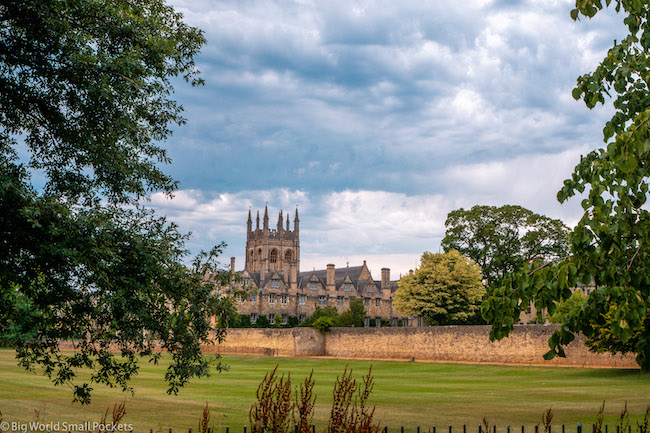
column 502, row 239
column 610, row 243
column 328, row 311
column 354, row 316
column 84, row 95
column 445, row 289
column 569, row 307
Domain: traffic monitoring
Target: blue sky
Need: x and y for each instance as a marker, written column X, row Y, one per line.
column 377, row 118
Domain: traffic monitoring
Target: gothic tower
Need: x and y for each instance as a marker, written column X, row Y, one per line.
column 276, row 249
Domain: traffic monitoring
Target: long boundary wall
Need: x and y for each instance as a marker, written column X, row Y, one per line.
column 526, row 345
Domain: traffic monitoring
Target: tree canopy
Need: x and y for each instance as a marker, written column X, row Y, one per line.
column 84, row 98
column 353, row 316
column 446, row 289
column 502, row 239
column 610, row 243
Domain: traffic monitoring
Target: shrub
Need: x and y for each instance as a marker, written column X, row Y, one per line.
column 323, row 324
column 262, row 322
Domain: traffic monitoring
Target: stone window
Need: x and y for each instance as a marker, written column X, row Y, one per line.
column 405, row 322
column 275, row 284
column 378, row 302
column 247, row 281
column 366, row 322
column 285, row 319
column 254, row 297
column 271, row 318
column 272, row 298
column 284, row 299
column 313, row 285
column 288, row 255
column 273, row 257
column 340, row 301
column 240, row 297
column 322, row 300
column 369, row 289
column 253, row 317
column 420, row 321
column 366, row 302
column 302, row 299
column 393, row 322
column 347, row 287
column 378, row 322
column 302, row 318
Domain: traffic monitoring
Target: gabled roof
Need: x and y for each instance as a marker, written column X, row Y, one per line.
column 341, row 275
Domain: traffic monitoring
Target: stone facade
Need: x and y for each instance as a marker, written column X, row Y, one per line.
column 277, row 287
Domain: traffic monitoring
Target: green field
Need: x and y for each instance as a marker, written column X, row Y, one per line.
column 406, row 393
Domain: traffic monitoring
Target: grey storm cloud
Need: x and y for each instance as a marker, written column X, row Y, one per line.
column 400, row 102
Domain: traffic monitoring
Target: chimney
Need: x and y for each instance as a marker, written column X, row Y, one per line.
column 232, row 265
column 330, row 277
column 385, row 278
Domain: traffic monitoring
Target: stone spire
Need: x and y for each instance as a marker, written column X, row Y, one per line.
column 266, row 220
column 287, row 221
column 296, row 222
column 258, row 220
column 280, row 221
column 249, row 225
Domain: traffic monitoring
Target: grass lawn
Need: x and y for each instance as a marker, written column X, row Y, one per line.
column 406, row 393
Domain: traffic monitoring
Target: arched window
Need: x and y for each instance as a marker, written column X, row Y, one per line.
column 288, row 255
column 274, row 256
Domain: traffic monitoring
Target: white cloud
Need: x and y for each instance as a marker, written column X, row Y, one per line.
column 387, row 229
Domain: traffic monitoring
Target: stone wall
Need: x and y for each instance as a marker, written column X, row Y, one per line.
column 526, row 345
column 279, row 342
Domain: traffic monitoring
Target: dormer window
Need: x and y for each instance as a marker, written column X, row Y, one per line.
column 275, row 284
column 369, row 289
column 347, row 287
column 313, row 285
column 247, row 281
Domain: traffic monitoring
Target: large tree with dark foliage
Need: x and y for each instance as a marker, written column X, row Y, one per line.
column 84, row 99
column 502, row 239
column 610, row 244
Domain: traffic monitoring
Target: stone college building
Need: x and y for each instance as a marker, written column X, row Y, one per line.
column 279, row 288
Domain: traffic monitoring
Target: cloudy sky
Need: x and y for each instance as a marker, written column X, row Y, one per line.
column 377, row 118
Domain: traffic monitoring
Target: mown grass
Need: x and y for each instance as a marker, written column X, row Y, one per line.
column 406, row 393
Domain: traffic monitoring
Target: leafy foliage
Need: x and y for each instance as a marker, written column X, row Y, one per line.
column 324, row 323
column 567, row 308
column 502, row 239
column 84, row 95
column 354, row 316
column 445, row 289
column 610, row 243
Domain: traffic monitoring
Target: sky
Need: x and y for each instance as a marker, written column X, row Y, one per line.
column 377, row 118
